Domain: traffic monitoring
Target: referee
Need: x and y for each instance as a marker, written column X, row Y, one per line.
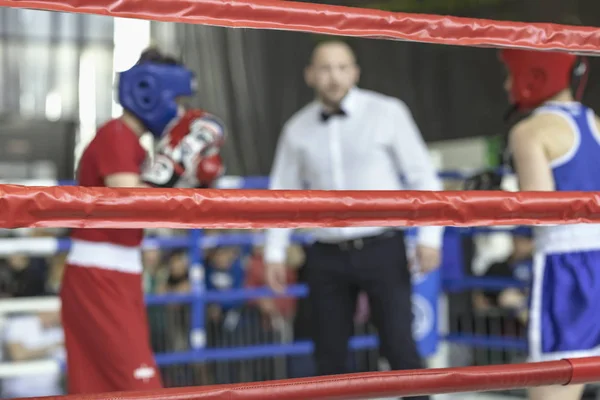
column 353, row 139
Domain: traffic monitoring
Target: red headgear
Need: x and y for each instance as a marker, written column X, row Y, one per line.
column 537, row 75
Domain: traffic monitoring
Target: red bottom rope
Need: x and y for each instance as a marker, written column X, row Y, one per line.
column 73, row 207
column 382, row 384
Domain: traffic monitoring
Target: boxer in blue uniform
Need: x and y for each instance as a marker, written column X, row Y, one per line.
column 557, row 147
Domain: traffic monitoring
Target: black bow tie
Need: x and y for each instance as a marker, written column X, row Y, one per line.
column 325, row 115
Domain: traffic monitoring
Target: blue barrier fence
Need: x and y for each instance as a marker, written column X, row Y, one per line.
column 259, row 351
column 200, row 298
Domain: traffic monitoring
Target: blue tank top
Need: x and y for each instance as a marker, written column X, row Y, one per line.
column 577, row 170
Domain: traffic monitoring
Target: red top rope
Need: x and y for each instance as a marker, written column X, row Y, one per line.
column 84, row 207
column 381, row 384
column 337, row 20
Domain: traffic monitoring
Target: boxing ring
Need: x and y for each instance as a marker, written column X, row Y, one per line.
column 248, row 207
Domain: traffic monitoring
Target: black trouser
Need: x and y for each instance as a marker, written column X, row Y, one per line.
column 335, row 274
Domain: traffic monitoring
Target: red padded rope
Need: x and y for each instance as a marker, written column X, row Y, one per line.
column 585, row 370
column 337, row 20
column 377, row 384
column 73, row 206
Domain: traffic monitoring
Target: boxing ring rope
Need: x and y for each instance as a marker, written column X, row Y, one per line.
column 382, row 384
column 84, row 207
column 337, row 20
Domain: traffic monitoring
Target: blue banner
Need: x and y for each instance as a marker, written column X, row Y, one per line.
column 453, row 257
column 426, row 291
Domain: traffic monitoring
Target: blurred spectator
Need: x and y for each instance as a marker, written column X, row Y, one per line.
column 501, row 313
column 29, row 275
column 226, row 320
column 284, row 307
column 55, row 273
column 6, row 281
column 34, row 337
column 154, row 275
column 154, row 278
column 516, row 266
column 279, row 314
column 177, row 314
column 224, row 271
column 178, row 272
column 175, row 330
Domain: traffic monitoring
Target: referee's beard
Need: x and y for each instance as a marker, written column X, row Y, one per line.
column 332, row 100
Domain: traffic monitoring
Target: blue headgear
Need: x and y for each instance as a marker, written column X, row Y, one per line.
column 148, row 91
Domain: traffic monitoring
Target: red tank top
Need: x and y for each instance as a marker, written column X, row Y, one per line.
column 115, row 149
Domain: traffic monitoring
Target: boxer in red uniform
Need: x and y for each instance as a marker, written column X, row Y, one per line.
column 103, row 312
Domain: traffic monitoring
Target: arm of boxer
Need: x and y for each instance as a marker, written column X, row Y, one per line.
column 285, row 174
column 119, row 162
column 414, row 162
column 124, row 179
column 530, row 155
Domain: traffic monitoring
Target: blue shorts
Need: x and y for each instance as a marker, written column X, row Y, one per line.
column 564, row 312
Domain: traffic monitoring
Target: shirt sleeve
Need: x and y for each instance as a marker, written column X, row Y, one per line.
column 285, row 174
column 119, row 153
column 414, row 161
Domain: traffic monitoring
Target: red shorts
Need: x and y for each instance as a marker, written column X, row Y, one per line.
column 106, row 332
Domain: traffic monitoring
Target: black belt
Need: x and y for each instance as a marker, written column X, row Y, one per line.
column 359, row 243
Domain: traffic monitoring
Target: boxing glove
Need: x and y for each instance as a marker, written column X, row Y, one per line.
column 162, row 172
column 188, row 155
column 209, row 169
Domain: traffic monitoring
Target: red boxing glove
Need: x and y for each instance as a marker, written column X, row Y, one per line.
column 162, row 172
column 209, row 169
column 196, row 132
column 188, row 155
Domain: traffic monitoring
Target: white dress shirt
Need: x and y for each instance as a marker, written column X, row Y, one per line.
column 369, row 148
